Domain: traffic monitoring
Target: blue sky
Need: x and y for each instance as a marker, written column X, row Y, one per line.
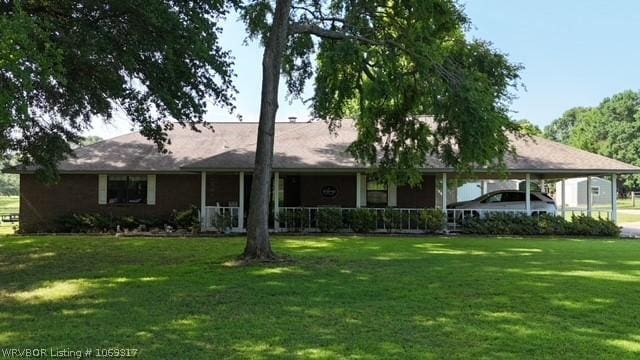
column 575, row 53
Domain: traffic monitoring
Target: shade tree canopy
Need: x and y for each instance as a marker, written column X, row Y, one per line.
column 63, row 63
column 383, row 63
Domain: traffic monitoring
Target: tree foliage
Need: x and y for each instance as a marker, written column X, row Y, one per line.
column 528, row 128
column 610, row 129
column 560, row 129
column 386, row 63
column 63, row 62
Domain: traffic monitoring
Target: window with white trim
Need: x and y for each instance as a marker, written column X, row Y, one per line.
column 127, row 189
column 377, row 195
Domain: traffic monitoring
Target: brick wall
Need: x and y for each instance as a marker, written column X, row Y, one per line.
column 41, row 205
column 418, row 197
column 311, row 190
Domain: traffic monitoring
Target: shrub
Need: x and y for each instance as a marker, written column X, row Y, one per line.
column 96, row 223
column 223, row 221
column 362, row 220
column 188, row 219
column 329, row 220
column 586, row 225
column 83, row 223
column 294, row 219
column 521, row 224
column 432, row 219
column 392, row 219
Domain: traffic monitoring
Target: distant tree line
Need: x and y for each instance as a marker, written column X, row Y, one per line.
column 10, row 183
column 611, row 129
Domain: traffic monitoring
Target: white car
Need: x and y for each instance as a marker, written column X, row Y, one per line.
column 502, row 200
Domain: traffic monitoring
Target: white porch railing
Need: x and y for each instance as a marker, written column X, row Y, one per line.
column 221, row 218
column 305, row 219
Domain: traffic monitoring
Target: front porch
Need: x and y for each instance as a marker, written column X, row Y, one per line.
column 298, row 198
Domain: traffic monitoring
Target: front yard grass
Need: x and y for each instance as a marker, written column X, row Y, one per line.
column 8, row 205
column 343, row 297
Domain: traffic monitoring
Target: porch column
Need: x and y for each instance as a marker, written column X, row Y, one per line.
column 589, row 200
column 563, row 198
column 614, row 198
column 203, row 200
column 241, row 201
column 358, row 189
column 276, row 200
column 527, row 193
column 444, row 192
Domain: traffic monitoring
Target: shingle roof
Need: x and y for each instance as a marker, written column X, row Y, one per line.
column 298, row 146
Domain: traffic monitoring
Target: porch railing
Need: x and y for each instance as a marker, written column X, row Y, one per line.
column 221, row 218
column 306, row 219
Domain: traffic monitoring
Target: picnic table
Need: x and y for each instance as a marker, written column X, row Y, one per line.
column 11, row 218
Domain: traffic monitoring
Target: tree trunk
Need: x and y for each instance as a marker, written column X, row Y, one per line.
column 258, row 245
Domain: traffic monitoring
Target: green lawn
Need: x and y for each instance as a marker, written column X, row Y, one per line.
column 343, row 297
column 8, row 205
column 628, row 204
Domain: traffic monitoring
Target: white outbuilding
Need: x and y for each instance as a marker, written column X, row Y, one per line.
column 576, row 192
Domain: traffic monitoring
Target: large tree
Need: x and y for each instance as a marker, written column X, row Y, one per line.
column 561, row 128
column 385, row 62
column 65, row 62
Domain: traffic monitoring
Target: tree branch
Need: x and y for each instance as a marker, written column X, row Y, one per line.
column 313, row 29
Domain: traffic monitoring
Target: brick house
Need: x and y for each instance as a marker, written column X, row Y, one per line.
column 126, row 175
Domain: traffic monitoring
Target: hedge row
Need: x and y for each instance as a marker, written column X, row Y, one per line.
column 520, row 224
column 98, row 223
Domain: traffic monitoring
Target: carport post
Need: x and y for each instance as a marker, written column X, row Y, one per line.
column 527, row 193
column 614, row 198
column 589, row 200
column 563, row 200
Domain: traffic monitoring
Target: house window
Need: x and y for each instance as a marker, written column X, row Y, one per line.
column 125, row 189
column 376, row 194
column 595, row 190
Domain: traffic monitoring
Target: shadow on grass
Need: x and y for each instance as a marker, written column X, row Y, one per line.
column 343, row 297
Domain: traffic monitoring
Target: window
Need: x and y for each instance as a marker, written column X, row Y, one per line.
column 124, row 189
column 510, row 196
column 595, row 190
column 493, row 198
column 514, row 197
column 376, row 194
